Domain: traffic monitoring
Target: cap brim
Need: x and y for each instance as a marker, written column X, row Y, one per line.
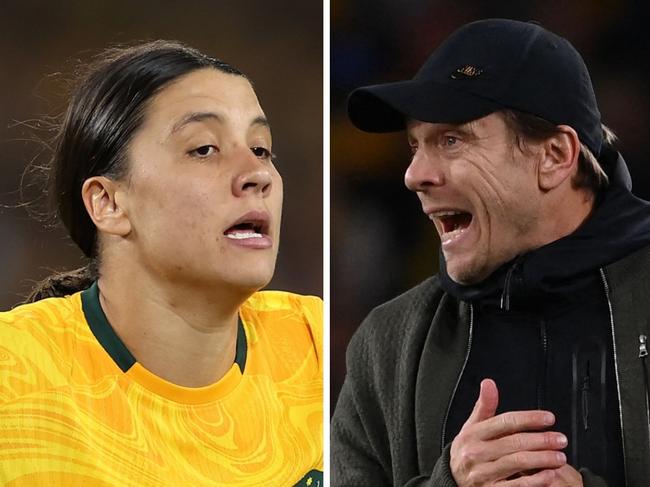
column 385, row 107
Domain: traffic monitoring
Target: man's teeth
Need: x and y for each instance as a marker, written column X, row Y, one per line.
column 438, row 214
column 450, row 223
column 446, row 236
column 243, row 235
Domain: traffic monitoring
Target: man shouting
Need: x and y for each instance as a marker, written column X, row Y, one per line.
column 523, row 362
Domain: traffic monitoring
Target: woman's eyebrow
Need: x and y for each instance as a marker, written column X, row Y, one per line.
column 261, row 120
column 201, row 116
column 195, row 117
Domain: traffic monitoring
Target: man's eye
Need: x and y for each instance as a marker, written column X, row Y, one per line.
column 203, row 151
column 449, row 140
column 262, row 152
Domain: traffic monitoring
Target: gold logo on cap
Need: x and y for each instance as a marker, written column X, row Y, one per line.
column 467, row 71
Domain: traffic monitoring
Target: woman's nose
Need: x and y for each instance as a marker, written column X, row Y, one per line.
column 253, row 177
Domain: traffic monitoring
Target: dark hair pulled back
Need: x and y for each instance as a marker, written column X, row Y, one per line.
column 105, row 110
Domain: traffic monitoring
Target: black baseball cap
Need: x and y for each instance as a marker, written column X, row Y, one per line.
column 483, row 67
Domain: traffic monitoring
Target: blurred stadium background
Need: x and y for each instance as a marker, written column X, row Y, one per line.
column 381, row 242
column 278, row 44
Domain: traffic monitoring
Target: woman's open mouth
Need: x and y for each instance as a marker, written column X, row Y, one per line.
column 251, row 230
column 244, row 230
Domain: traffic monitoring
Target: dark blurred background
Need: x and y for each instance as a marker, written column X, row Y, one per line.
column 278, row 44
column 382, row 244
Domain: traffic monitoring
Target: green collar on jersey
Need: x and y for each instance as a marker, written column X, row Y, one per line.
column 115, row 347
column 313, row 478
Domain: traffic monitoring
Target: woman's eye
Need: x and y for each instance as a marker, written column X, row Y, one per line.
column 204, row 151
column 261, row 152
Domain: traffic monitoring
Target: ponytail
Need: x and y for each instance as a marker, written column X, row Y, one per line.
column 64, row 283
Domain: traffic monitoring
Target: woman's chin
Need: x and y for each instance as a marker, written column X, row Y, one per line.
column 251, row 280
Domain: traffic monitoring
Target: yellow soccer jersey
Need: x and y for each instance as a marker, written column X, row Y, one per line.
column 76, row 408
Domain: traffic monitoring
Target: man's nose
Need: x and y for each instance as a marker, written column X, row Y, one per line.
column 253, row 176
column 423, row 172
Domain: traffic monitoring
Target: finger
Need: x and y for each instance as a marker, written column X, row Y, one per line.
column 543, row 478
column 491, row 450
column 548, row 440
column 515, row 463
column 566, row 475
column 486, row 404
column 513, row 422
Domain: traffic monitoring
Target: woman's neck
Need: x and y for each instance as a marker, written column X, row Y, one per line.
column 181, row 333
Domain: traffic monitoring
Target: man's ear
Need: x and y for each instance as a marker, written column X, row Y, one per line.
column 104, row 202
column 559, row 158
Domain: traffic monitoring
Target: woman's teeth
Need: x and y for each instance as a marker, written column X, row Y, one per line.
column 243, row 235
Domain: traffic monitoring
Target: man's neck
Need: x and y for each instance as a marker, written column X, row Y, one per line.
column 563, row 215
column 181, row 333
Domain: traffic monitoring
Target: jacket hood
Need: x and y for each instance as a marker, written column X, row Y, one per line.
column 618, row 226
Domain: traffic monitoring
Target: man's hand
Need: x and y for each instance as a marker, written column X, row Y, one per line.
column 509, row 449
column 566, row 476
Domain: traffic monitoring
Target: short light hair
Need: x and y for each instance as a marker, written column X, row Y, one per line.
column 526, row 127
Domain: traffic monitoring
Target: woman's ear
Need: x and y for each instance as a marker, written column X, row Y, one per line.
column 103, row 199
column 559, row 158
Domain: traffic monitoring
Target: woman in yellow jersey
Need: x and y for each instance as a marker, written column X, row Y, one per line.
column 160, row 363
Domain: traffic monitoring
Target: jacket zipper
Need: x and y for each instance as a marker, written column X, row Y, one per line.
column 453, row 394
column 505, row 294
column 542, row 372
column 643, row 353
column 618, row 386
column 585, row 392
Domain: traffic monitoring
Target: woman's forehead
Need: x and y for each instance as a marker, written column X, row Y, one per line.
column 229, row 97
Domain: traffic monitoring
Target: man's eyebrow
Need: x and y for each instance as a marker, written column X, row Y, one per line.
column 466, row 128
column 195, row 117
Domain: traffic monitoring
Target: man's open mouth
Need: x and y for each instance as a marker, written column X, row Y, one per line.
column 451, row 223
